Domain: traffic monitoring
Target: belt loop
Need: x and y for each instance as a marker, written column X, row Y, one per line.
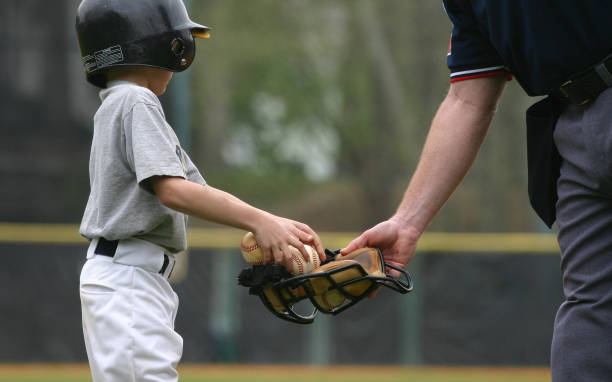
column 106, row 247
column 166, row 262
column 604, row 73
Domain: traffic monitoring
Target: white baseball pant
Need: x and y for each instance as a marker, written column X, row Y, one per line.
column 128, row 310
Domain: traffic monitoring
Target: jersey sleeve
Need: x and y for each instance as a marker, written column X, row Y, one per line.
column 152, row 148
column 192, row 172
column 470, row 54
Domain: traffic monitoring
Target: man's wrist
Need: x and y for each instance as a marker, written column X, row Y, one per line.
column 407, row 226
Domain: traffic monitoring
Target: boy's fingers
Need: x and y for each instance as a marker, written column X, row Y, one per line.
column 279, row 255
column 304, row 252
column 299, row 245
column 303, row 236
column 268, row 255
column 320, row 251
column 310, row 237
column 303, row 227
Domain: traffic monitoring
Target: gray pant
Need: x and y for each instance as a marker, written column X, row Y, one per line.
column 582, row 339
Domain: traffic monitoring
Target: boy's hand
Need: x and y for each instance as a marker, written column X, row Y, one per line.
column 275, row 234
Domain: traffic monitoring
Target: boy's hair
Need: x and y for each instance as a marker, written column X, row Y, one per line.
column 155, row 33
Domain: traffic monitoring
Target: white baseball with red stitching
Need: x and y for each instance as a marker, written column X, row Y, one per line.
column 296, row 265
column 251, row 252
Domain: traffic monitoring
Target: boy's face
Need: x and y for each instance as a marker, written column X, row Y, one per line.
column 158, row 80
column 155, row 79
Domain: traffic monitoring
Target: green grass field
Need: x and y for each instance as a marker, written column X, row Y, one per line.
column 272, row 373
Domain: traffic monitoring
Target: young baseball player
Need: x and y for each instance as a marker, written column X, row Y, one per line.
column 143, row 185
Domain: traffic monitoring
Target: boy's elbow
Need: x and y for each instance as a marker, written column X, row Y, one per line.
column 167, row 190
column 167, row 199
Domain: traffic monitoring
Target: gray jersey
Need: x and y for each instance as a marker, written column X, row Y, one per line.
column 131, row 143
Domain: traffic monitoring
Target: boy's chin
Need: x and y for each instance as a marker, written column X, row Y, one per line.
column 161, row 91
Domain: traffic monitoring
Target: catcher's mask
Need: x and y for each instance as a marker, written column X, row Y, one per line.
column 339, row 283
column 156, row 33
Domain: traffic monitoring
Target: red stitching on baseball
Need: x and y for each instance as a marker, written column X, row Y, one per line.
column 299, row 264
column 253, row 247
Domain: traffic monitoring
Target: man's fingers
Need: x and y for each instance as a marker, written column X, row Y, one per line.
column 374, row 292
column 393, row 272
column 357, row 243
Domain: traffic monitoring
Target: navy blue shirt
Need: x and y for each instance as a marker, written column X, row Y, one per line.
column 540, row 42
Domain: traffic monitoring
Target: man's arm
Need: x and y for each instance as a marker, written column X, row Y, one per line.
column 454, row 138
column 273, row 233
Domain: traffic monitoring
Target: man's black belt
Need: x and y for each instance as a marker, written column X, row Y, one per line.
column 109, row 247
column 543, row 159
column 586, row 86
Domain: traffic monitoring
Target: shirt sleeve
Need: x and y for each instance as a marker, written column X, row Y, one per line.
column 470, row 54
column 152, row 148
column 192, row 172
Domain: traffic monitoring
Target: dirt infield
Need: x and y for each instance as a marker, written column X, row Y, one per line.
column 248, row 372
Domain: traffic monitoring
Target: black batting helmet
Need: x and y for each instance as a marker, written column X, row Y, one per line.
column 155, row 33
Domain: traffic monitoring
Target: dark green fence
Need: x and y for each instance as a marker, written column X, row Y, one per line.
column 491, row 305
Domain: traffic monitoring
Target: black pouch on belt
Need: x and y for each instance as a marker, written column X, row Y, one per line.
column 543, row 160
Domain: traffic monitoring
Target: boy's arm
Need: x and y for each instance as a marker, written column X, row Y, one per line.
column 452, row 144
column 273, row 233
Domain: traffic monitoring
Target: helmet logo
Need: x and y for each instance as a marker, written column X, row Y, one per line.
column 103, row 58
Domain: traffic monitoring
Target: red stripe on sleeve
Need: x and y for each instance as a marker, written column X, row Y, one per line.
column 489, row 74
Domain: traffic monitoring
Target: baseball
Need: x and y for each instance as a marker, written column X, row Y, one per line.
column 296, row 265
column 251, row 252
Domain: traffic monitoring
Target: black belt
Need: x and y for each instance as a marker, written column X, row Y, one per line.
column 109, row 247
column 586, row 86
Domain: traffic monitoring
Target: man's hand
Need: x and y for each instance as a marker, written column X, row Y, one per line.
column 452, row 144
column 397, row 242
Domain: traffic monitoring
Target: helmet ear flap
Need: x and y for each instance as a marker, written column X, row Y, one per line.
column 177, row 46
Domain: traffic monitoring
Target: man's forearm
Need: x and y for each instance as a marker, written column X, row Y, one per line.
column 453, row 142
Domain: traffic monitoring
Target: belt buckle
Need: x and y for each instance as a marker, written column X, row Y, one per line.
column 567, row 95
column 562, row 89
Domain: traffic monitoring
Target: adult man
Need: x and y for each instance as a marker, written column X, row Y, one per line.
column 544, row 44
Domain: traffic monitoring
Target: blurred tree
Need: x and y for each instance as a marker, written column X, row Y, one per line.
column 315, row 109
column 328, row 102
